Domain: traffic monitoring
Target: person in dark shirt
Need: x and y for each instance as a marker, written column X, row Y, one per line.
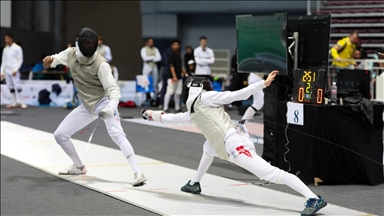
column 188, row 56
column 165, row 72
column 176, row 72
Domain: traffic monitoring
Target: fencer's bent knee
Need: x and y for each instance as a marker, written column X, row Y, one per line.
column 274, row 176
column 60, row 136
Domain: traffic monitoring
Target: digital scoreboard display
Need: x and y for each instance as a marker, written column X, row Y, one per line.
column 309, row 86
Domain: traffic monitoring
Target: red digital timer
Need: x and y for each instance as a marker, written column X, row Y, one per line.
column 308, row 86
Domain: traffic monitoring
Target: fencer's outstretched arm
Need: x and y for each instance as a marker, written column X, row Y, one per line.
column 57, row 59
column 215, row 99
column 161, row 116
column 175, row 118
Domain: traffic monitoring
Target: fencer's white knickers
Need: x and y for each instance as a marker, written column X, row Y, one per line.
column 79, row 118
column 13, row 82
column 243, row 153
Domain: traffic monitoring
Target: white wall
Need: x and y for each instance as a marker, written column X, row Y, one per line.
column 6, row 12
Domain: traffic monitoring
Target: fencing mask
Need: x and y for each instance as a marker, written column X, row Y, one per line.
column 87, row 41
column 193, row 87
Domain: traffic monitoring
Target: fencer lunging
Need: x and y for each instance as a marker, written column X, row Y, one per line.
column 99, row 95
column 227, row 140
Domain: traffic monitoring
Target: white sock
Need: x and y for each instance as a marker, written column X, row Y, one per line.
column 167, row 98
column 129, row 153
column 205, row 162
column 177, row 101
column 296, row 184
column 249, row 113
column 69, row 148
column 20, row 96
column 14, row 101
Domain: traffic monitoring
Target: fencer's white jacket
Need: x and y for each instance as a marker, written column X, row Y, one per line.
column 210, row 117
column 12, row 59
column 92, row 77
column 203, row 59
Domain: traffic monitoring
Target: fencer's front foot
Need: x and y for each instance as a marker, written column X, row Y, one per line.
column 24, row 106
column 194, row 189
column 73, row 170
column 313, row 205
column 139, row 179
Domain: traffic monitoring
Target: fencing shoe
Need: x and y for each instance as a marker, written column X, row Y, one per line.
column 139, row 179
column 313, row 205
column 195, row 188
column 73, row 170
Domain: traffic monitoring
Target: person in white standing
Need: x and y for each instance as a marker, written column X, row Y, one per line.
column 204, row 57
column 150, row 55
column 258, row 98
column 11, row 62
column 103, row 49
column 227, row 140
column 99, row 95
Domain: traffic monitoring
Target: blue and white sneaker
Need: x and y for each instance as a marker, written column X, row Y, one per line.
column 313, row 205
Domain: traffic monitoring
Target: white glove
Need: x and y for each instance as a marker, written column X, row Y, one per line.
column 151, row 115
column 110, row 111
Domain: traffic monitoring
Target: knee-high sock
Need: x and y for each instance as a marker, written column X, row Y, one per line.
column 20, row 97
column 205, row 162
column 167, row 98
column 126, row 147
column 296, row 184
column 69, row 148
column 14, row 100
column 249, row 113
column 177, row 101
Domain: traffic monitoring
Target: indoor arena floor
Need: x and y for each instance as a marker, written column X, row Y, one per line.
column 168, row 155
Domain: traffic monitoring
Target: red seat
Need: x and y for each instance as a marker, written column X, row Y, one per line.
column 335, row 30
column 380, row 41
column 357, row 20
column 371, row 20
column 345, row 31
column 345, row 21
column 375, row 30
column 356, row 10
column 362, row 30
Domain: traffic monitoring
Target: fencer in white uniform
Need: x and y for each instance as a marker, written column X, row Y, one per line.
column 99, row 95
column 258, row 98
column 11, row 61
column 225, row 139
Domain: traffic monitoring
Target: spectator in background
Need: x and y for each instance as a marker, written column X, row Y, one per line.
column 71, row 44
column 364, row 54
column 104, row 50
column 165, row 75
column 39, row 69
column 150, row 55
column 188, row 56
column 176, row 72
column 343, row 50
column 12, row 59
column 190, row 67
column 204, row 57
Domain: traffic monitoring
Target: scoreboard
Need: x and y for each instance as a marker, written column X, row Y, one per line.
column 309, row 86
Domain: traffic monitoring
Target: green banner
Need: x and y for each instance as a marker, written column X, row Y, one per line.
column 261, row 43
